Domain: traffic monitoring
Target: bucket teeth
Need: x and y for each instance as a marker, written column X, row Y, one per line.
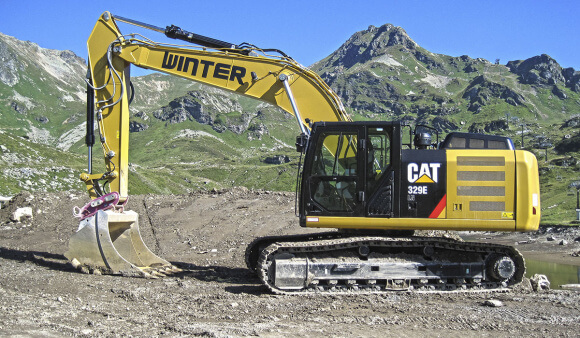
column 165, row 271
column 147, row 275
column 172, row 269
column 160, row 271
column 157, row 273
column 175, row 269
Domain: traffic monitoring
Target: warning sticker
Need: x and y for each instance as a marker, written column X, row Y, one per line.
column 508, row 215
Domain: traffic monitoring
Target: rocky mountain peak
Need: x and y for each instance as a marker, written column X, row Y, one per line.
column 368, row 44
column 544, row 70
column 18, row 57
column 388, row 35
column 540, row 69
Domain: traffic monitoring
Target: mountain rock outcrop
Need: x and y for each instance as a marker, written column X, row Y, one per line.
column 481, row 90
column 544, row 70
column 365, row 45
column 219, row 111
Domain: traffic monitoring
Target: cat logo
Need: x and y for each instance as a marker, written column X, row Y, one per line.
column 423, row 172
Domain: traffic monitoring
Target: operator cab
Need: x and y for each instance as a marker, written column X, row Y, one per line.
column 347, row 165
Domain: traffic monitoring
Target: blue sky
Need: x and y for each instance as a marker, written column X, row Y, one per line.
column 311, row 30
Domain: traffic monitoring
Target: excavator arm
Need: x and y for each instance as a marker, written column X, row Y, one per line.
column 244, row 69
column 108, row 239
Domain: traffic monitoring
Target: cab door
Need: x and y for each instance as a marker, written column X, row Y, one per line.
column 381, row 170
column 333, row 183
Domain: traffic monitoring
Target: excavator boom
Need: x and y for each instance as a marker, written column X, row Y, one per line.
column 244, row 69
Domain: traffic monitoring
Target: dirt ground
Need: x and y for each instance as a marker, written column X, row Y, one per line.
column 42, row 295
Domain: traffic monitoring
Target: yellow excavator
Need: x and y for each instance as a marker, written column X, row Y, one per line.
column 376, row 182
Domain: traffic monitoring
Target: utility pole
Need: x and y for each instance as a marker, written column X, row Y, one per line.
column 545, row 145
column 522, row 125
column 578, row 202
column 576, row 184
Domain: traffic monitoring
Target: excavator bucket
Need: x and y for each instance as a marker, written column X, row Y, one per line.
column 109, row 242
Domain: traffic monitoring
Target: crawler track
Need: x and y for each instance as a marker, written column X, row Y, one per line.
column 338, row 262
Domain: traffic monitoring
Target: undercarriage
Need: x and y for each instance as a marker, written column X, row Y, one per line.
column 337, row 262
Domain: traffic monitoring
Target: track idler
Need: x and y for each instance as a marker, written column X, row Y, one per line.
column 500, row 267
column 109, row 242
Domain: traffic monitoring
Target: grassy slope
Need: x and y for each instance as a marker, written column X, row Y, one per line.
column 44, row 167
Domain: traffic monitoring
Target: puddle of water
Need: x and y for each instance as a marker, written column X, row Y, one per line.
column 558, row 274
